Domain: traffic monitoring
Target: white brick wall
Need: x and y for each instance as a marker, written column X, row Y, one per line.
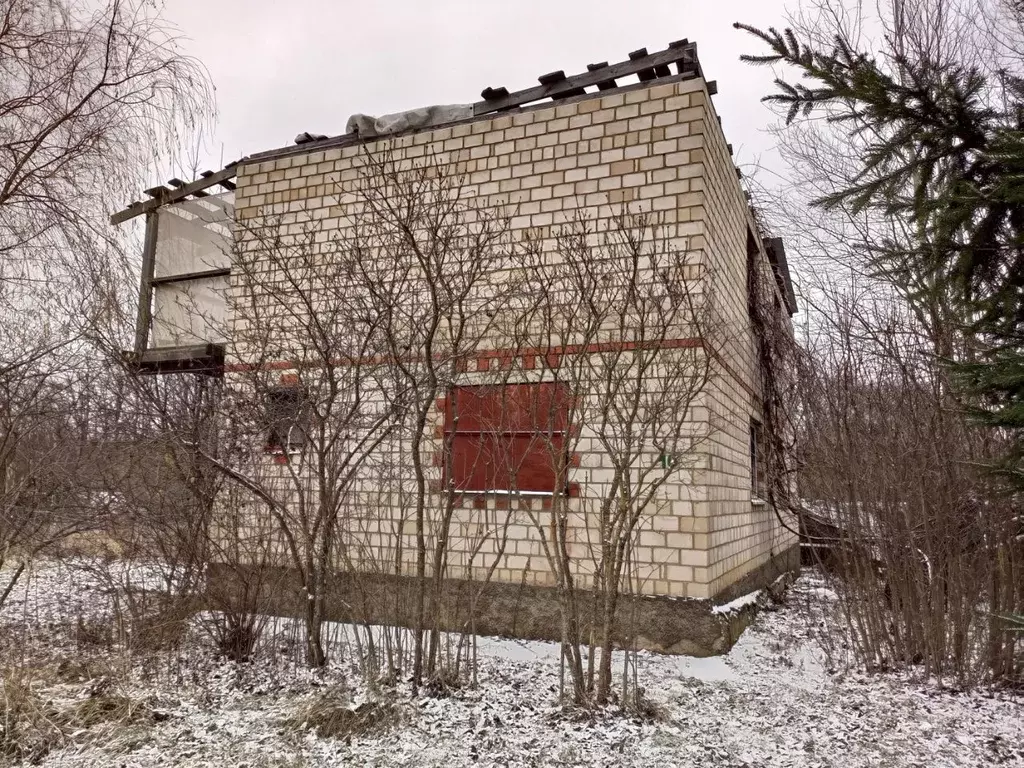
column 657, row 148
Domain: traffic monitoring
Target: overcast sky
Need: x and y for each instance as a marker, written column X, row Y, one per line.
column 283, row 67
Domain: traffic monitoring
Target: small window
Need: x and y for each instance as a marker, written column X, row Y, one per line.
column 507, row 438
column 757, row 475
column 285, row 432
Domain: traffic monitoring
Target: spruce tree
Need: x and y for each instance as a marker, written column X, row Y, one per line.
column 942, row 156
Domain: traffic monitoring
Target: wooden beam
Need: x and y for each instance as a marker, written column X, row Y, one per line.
column 683, row 56
column 173, row 195
column 178, row 183
column 142, row 318
column 189, row 276
column 604, row 85
column 776, row 249
column 556, row 77
column 689, row 59
column 646, row 74
column 196, row 358
column 490, row 94
column 228, row 185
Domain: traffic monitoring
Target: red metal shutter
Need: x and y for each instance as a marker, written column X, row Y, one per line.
column 507, row 437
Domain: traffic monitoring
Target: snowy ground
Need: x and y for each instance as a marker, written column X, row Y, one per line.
column 772, row 701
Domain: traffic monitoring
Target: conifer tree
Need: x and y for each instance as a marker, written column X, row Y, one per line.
column 945, row 153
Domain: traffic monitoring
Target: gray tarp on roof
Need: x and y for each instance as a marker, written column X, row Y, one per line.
column 410, row 120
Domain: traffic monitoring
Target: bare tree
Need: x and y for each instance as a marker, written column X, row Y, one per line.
column 625, row 317
column 439, row 270
column 87, row 95
column 45, row 462
column 893, row 489
column 824, row 156
column 878, row 427
column 300, row 442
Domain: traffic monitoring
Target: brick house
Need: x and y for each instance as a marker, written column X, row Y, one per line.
column 590, row 143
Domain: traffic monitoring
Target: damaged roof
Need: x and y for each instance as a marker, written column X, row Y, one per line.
column 676, row 62
column 640, row 69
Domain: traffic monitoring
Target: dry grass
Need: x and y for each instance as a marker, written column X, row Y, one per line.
column 29, row 725
column 106, row 708
column 32, row 723
column 331, row 715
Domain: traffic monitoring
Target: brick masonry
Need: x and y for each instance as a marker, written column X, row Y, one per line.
column 658, row 149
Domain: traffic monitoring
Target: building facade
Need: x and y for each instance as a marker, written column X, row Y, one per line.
column 511, row 436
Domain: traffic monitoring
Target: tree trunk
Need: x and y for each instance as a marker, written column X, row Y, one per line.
column 609, row 600
column 571, row 643
column 11, row 584
column 315, row 655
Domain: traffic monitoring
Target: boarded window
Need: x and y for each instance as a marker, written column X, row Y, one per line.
column 507, row 438
column 285, row 429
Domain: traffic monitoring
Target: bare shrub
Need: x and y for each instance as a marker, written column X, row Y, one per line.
column 920, row 543
column 236, row 633
column 924, row 555
column 238, row 601
column 89, row 93
column 375, row 323
column 442, row 274
column 628, row 319
column 45, row 464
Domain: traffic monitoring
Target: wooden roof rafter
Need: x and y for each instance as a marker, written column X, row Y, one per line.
column 647, row 67
column 176, row 191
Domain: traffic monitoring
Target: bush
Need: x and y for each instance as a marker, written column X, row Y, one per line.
column 235, row 633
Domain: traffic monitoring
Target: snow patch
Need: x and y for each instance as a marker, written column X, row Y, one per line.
column 776, row 699
column 737, row 605
column 712, row 669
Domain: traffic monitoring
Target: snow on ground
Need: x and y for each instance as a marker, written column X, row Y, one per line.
column 737, row 605
column 772, row 701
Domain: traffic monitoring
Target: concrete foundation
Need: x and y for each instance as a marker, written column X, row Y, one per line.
column 529, row 612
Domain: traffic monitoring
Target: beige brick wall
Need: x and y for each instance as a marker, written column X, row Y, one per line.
column 655, row 149
column 742, row 534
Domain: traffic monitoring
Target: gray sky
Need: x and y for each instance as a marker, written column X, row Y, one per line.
column 284, row 67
